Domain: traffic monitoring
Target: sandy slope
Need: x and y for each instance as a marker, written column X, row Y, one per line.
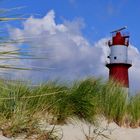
column 4, row 138
column 78, row 129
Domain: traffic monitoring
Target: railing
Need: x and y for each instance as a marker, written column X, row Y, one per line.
column 126, row 62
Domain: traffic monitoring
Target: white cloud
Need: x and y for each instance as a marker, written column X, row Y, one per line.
column 70, row 55
column 134, row 71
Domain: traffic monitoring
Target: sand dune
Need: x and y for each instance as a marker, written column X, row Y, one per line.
column 78, row 130
column 4, row 138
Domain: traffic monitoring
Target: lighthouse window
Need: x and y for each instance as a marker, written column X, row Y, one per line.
column 115, row 57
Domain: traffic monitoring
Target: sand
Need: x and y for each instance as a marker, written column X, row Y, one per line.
column 4, row 138
column 78, row 130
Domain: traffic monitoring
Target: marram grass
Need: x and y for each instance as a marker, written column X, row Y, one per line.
column 22, row 106
column 134, row 110
column 113, row 102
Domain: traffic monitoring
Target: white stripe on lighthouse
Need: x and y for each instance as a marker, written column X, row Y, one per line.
column 118, row 54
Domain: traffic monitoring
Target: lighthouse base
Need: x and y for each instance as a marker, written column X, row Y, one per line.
column 119, row 73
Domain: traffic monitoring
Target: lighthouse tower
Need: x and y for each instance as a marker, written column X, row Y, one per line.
column 119, row 63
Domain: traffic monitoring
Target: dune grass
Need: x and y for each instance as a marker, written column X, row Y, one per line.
column 134, row 110
column 113, row 102
column 22, row 106
column 19, row 111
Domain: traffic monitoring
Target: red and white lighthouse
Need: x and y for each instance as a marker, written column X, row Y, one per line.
column 119, row 63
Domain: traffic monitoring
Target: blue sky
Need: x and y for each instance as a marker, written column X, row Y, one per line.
column 100, row 16
column 73, row 52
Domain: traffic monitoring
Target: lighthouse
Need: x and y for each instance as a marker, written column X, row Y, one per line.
column 118, row 59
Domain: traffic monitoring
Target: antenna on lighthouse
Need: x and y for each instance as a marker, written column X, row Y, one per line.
column 120, row 29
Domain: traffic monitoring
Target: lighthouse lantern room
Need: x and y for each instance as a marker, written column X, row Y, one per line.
column 119, row 63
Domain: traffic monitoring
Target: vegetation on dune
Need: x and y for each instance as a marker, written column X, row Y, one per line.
column 134, row 110
column 113, row 102
column 22, row 107
column 83, row 99
column 20, row 111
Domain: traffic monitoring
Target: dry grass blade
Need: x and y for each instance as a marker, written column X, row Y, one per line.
column 11, row 67
column 8, row 19
column 6, row 58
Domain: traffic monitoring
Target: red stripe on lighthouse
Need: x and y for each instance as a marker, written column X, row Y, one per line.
column 119, row 72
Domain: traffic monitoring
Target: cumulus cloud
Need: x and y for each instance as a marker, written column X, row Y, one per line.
column 70, row 55
column 134, row 71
